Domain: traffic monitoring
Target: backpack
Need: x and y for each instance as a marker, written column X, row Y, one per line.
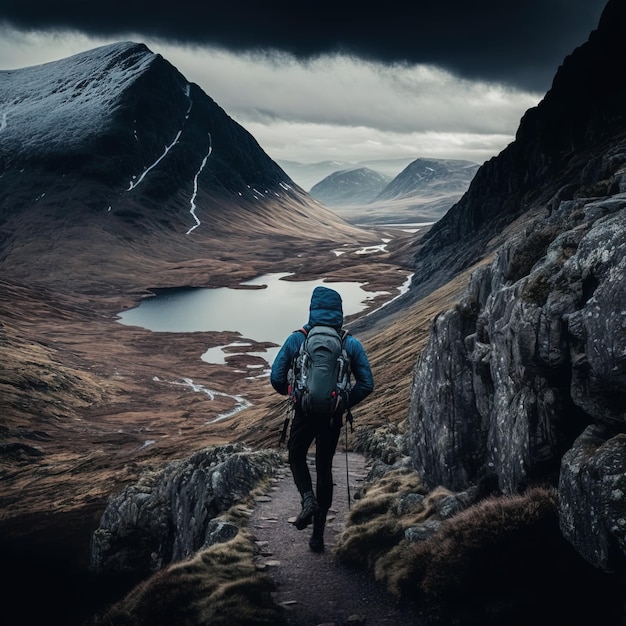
column 320, row 374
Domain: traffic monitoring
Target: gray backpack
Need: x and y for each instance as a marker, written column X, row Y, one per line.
column 321, row 372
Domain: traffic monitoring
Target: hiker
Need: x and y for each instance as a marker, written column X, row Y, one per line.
column 324, row 426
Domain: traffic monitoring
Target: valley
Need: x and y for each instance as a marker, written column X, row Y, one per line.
column 91, row 403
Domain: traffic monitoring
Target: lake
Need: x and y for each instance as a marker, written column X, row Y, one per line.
column 266, row 314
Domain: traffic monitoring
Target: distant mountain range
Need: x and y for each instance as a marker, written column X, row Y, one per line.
column 308, row 174
column 422, row 192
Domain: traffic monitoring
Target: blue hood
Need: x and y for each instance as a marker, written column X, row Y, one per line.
column 326, row 308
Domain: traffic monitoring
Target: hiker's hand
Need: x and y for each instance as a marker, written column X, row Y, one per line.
column 341, row 402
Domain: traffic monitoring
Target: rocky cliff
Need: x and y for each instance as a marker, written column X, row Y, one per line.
column 524, row 381
column 565, row 147
column 174, row 512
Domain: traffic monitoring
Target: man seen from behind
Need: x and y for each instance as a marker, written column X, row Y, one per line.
column 325, row 310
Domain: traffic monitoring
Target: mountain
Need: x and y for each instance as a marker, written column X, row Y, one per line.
column 570, row 145
column 115, row 146
column 422, row 192
column 430, row 178
column 308, row 174
column 351, row 186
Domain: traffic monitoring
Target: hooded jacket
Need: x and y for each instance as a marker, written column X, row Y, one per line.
column 326, row 309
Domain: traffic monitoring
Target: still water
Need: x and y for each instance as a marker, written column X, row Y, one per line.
column 267, row 314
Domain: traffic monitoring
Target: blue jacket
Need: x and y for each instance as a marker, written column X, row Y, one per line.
column 325, row 309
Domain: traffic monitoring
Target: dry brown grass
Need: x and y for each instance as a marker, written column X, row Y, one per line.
column 219, row 585
column 376, row 524
column 472, row 549
column 496, row 562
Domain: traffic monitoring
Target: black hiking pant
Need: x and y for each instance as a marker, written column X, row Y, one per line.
column 325, row 432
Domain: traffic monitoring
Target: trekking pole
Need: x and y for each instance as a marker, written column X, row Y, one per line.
column 283, row 434
column 348, row 420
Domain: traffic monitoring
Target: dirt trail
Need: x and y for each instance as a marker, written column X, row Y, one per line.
column 316, row 588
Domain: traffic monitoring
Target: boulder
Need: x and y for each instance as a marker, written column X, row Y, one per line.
column 592, row 497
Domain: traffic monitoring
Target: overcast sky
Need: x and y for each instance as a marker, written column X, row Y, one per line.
column 335, row 81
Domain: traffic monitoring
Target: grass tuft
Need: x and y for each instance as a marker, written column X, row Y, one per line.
column 217, row 586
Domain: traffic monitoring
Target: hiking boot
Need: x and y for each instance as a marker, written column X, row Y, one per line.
column 309, row 508
column 316, row 542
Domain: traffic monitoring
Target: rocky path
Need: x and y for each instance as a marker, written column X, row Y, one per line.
column 316, row 589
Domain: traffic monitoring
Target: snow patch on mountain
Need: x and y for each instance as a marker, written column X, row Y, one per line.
column 58, row 104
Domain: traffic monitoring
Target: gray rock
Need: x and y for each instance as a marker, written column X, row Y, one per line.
column 168, row 515
column 421, row 532
column 219, row 531
column 533, row 354
column 592, row 497
column 455, row 503
column 408, row 503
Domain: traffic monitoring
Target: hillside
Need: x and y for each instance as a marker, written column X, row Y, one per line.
column 569, row 146
column 116, row 148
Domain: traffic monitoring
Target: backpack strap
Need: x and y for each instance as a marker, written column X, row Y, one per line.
column 290, row 395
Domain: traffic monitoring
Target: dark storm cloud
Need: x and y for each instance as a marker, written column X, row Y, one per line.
column 521, row 42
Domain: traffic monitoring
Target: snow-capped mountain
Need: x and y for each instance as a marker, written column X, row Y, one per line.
column 430, row 178
column 352, row 186
column 129, row 106
column 118, row 141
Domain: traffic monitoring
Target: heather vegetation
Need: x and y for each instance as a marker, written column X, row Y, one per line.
column 501, row 560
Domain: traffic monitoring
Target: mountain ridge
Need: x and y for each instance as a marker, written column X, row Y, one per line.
column 139, row 157
column 566, row 145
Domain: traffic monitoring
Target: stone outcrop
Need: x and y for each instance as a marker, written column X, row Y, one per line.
column 524, row 381
column 592, row 496
column 170, row 514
